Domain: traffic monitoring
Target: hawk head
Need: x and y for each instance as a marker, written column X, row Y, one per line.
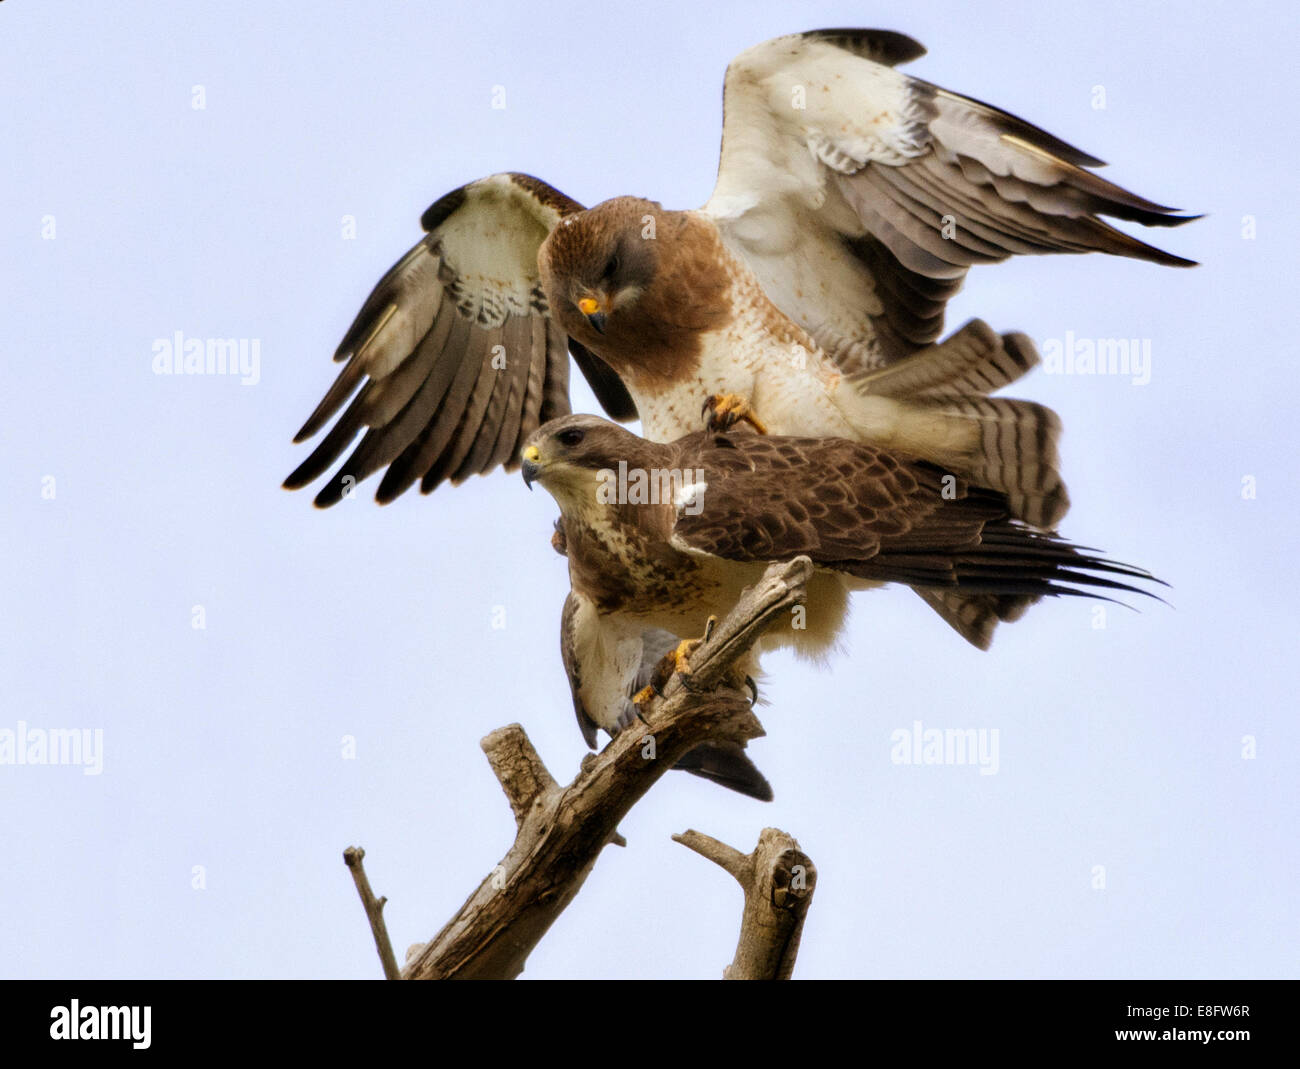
column 595, row 264
column 636, row 285
column 568, row 456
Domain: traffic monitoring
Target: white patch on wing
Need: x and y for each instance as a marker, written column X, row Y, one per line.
column 791, row 100
column 682, row 546
column 490, row 243
column 690, row 495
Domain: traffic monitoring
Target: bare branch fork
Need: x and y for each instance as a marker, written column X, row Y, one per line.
column 561, row 830
column 778, row 879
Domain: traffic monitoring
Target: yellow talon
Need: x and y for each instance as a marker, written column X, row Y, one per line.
column 725, row 410
column 677, row 662
column 682, row 653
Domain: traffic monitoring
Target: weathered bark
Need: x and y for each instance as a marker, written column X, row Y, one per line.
column 561, row 830
column 778, row 880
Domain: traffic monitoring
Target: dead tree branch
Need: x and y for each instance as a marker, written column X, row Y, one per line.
column 374, row 908
column 561, row 830
column 778, row 880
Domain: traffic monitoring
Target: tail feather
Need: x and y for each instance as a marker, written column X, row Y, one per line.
column 1014, row 568
column 973, row 361
column 727, row 764
column 976, row 616
column 993, row 442
column 936, row 404
column 1015, row 451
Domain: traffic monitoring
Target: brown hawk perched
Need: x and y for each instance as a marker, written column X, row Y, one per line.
column 660, row 536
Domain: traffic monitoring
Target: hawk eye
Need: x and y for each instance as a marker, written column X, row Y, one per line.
column 569, row 438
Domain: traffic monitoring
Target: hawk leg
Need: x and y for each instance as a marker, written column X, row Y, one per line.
column 725, row 410
column 674, row 662
column 677, row 662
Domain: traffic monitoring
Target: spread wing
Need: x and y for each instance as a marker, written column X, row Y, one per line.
column 860, row 197
column 454, row 358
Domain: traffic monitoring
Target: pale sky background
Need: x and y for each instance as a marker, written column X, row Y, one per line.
column 1119, row 746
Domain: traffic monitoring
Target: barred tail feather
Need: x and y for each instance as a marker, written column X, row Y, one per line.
column 1014, row 450
column 976, row 616
column 991, row 442
column 974, row 361
column 936, row 405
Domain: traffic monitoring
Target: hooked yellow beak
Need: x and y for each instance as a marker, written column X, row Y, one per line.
column 532, row 457
column 590, row 307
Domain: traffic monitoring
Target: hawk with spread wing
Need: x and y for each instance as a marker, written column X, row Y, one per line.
column 658, row 537
column 807, row 295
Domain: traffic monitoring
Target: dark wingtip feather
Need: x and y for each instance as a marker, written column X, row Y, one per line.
column 308, row 471
column 294, row 480
column 609, row 389
column 880, row 46
column 1116, row 241
column 330, row 494
column 340, row 390
column 1168, row 217
column 442, row 208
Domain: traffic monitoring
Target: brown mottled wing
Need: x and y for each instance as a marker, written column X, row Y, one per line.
column 875, row 515
column 841, row 503
column 453, row 359
column 860, row 197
